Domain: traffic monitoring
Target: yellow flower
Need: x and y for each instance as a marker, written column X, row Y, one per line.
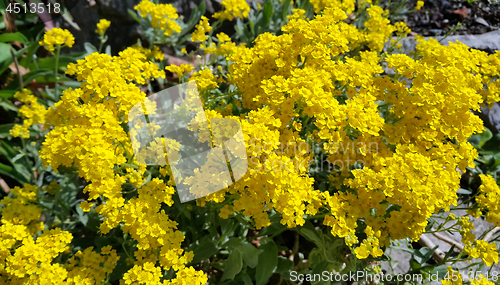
column 161, row 16
column 452, row 277
column 57, row 37
column 32, row 113
column 180, row 70
column 233, row 9
column 419, row 6
column 102, row 26
column 202, row 28
column 223, row 37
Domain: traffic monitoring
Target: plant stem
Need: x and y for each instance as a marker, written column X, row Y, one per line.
column 56, row 73
column 21, row 85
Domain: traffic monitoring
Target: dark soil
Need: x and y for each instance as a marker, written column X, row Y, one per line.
column 437, row 17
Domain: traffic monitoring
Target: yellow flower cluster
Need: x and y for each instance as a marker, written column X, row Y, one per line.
column 86, row 132
column 466, row 229
column 57, row 37
column 32, row 113
column 346, row 5
column 162, row 16
column 419, row 6
column 24, row 260
column 307, row 71
column 204, row 79
column 484, row 250
column 481, row 280
column 370, row 245
column 453, row 277
column 395, row 142
column 489, row 198
column 233, row 9
column 155, row 53
column 180, row 70
column 202, row 28
column 102, row 26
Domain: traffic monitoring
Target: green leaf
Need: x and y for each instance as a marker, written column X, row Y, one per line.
column 7, row 105
column 440, row 271
column 313, row 236
column 29, row 77
column 69, row 19
column 7, row 94
column 284, row 264
column 193, row 19
column 424, row 254
column 5, row 52
column 7, row 150
column 267, row 14
column 6, row 57
column 23, row 171
column 245, row 277
column 268, row 261
column 233, row 265
column 64, row 60
column 482, row 138
column 332, row 253
column 492, row 146
column 319, row 269
column 252, row 30
column 204, row 251
column 89, row 48
column 122, row 266
column 430, row 224
column 235, row 241
column 134, row 15
column 13, row 37
column 7, row 170
column 286, row 6
column 464, row 191
column 4, row 130
column 84, row 218
column 250, row 254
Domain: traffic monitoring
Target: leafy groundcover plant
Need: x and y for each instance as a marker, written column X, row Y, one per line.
column 353, row 148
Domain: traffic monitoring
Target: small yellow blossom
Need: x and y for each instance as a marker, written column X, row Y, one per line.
column 419, row 6
column 57, row 37
column 102, row 26
column 233, row 9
